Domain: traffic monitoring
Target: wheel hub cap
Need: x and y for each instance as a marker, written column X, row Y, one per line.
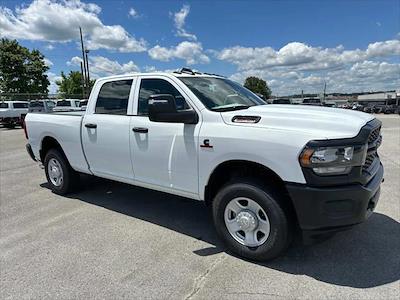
column 55, row 172
column 246, row 220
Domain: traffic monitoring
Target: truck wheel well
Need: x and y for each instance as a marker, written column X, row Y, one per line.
column 230, row 170
column 47, row 144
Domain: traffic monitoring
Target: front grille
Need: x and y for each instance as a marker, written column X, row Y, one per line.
column 374, row 141
column 369, row 160
column 374, row 135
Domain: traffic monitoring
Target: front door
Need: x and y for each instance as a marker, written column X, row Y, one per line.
column 105, row 131
column 163, row 154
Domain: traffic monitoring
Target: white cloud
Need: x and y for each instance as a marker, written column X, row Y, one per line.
column 297, row 66
column 75, row 61
column 53, row 88
column 102, row 66
column 361, row 76
column 304, row 57
column 48, row 20
column 179, row 20
column 191, row 52
column 48, row 62
column 49, row 47
column 133, row 13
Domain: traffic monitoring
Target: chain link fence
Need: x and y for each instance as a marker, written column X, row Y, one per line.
column 34, row 96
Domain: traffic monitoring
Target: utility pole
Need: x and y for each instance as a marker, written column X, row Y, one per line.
column 88, row 75
column 83, row 82
column 84, row 64
column 324, row 90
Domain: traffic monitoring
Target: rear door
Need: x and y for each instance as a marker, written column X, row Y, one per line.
column 105, row 130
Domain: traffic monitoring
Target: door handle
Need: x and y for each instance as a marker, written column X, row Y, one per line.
column 140, row 129
column 90, row 125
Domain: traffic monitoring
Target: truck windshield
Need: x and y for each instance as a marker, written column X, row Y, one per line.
column 220, row 94
column 3, row 105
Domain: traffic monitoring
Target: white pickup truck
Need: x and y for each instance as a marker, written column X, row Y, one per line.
column 12, row 113
column 267, row 172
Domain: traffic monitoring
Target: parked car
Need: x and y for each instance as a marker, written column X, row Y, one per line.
column 377, row 109
column 388, row 109
column 312, row 101
column 45, row 106
column 267, row 172
column 67, row 105
column 358, row 107
column 329, row 104
column 281, row 101
column 12, row 113
column 368, row 109
column 83, row 104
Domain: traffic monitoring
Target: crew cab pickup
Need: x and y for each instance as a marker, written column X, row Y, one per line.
column 12, row 113
column 268, row 172
column 67, row 105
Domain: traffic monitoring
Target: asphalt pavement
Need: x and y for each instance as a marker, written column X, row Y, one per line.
column 115, row 241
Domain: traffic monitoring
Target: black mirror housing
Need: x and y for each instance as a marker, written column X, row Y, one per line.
column 162, row 108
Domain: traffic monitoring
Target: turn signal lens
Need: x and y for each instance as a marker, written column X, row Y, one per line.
column 305, row 157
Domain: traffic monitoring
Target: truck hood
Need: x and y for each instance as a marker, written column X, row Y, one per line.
column 319, row 122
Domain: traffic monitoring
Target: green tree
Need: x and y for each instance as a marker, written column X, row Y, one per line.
column 21, row 70
column 258, row 86
column 71, row 84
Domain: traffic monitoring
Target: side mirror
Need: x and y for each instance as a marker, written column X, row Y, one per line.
column 162, row 108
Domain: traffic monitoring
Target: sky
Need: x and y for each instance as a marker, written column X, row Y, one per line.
column 352, row 46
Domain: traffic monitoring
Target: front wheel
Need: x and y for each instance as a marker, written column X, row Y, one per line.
column 60, row 176
column 251, row 221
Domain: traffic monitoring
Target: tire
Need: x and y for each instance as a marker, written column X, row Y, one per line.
column 69, row 178
column 280, row 229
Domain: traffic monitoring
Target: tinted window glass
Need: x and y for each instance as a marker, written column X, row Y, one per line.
column 154, row 86
column 64, row 103
column 36, row 104
column 3, row 105
column 50, row 104
column 20, row 105
column 281, row 101
column 113, row 97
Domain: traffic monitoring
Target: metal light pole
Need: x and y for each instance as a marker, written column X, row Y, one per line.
column 88, row 74
column 84, row 63
column 83, row 82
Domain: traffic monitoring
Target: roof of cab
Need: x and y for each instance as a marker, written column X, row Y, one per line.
column 184, row 72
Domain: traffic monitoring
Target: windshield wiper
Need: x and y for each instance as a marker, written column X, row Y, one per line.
column 230, row 107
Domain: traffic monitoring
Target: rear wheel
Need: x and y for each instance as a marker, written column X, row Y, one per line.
column 60, row 176
column 250, row 220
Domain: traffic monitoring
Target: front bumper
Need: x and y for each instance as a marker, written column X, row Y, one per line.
column 322, row 211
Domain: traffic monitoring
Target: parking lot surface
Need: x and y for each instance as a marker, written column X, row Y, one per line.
column 114, row 241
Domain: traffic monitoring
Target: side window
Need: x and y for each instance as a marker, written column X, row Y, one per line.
column 155, row 86
column 113, row 97
column 20, row 105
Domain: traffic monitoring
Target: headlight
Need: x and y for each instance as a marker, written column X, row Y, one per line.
column 333, row 160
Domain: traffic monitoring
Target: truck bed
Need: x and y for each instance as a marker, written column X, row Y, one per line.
column 64, row 127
